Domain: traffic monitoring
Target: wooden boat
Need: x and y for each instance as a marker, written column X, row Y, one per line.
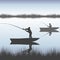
column 53, row 29
column 23, row 40
column 25, row 43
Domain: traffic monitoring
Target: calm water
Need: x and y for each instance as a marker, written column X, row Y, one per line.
column 46, row 42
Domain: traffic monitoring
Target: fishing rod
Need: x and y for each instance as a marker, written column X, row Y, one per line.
column 13, row 25
column 45, row 24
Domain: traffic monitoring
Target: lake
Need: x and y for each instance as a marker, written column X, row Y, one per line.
column 46, row 42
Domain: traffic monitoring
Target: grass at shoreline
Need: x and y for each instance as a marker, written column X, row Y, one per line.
column 33, row 56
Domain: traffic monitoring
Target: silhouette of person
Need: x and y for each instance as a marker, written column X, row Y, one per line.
column 50, row 25
column 29, row 31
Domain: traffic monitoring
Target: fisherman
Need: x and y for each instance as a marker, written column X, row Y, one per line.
column 50, row 25
column 29, row 31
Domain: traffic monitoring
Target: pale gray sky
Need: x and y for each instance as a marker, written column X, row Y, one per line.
column 30, row 0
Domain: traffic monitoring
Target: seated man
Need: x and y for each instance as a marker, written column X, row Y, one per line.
column 50, row 25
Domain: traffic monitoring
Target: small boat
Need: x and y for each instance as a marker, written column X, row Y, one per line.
column 53, row 29
column 23, row 40
column 49, row 30
column 25, row 43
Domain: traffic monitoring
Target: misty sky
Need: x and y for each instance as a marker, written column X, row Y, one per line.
column 30, row 1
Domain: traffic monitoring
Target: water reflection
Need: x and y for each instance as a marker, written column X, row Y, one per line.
column 28, row 51
column 30, row 48
column 46, row 42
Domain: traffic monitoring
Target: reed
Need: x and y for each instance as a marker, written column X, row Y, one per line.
column 4, row 55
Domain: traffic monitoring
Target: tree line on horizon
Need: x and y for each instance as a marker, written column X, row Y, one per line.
column 29, row 16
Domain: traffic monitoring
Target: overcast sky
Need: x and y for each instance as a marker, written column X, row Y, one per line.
column 29, row 0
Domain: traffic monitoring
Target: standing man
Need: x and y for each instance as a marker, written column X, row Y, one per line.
column 29, row 31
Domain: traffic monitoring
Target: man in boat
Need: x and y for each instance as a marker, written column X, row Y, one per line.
column 29, row 31
column 50, row 26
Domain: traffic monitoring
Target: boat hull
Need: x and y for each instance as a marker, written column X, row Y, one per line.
column 23, row 40
column 24, row 43
column 53, row 29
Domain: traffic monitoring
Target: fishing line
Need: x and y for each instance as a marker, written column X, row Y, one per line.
column 44, row 35
column 45, row 24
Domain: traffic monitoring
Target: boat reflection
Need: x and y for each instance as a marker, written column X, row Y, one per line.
column 27, row 51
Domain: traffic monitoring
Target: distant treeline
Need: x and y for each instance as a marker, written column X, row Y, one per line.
column 29, row 16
